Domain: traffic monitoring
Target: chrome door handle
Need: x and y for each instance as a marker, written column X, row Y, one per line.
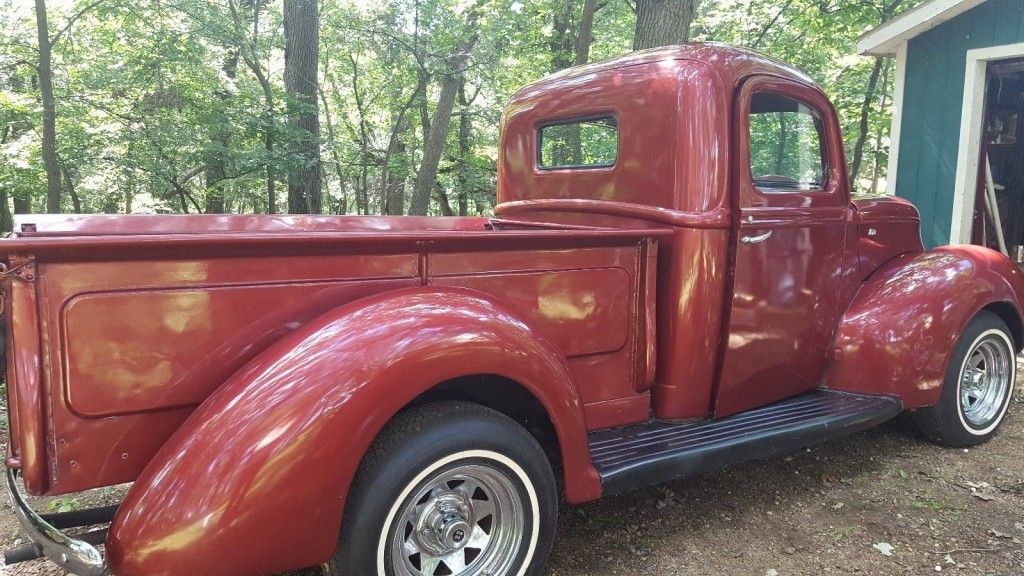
column 756, row 239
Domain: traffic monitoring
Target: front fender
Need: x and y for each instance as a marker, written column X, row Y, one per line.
column 255, row 481
column 897, row 335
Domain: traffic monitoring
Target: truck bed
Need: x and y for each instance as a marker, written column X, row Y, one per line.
column 122, row 325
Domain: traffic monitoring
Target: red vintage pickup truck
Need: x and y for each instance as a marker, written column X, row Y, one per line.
column 676, row 280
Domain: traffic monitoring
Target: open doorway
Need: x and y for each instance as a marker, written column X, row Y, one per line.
column 999, row 201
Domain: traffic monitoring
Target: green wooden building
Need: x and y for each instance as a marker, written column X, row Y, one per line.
column 959, row 116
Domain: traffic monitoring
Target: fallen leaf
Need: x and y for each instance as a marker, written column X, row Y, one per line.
column 884, row 547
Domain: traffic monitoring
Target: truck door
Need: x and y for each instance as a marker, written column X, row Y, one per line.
column 791, row 204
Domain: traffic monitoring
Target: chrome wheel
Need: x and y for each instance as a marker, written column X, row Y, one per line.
column 468, row 520
column 986, row 380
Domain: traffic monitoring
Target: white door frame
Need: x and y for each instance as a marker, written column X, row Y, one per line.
column 896, row 129
column 969, row 156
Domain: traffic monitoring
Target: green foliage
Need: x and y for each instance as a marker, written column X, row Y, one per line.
column 583, row 143
column 61, row 505
column 785, row 150
column 156, row 99
column 820, row 38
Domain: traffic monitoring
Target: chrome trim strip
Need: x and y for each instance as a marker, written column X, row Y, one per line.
column 72, row 555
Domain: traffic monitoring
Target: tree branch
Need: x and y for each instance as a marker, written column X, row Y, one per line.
column 74, row 18
column 764, row 31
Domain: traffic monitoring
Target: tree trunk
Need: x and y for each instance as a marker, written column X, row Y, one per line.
column 217, row 151
column 22, row 203
column 434, row 146
column 391, row 202
column 247, row 50
column 334, row 151
column 363, row 189
column 876, row 167
column 442, row 201
column 865, row 116
column 886, row 13
column 424, row 79
column 462, row 176
column 585, row 36
column 301, row 64
column 6, row 221
column 563, row 42
column 49, row 144
column 76, row 202
column 396, row 193
column 663, row 22
column 780, row 152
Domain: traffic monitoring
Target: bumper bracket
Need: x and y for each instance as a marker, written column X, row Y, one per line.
column 75, row 556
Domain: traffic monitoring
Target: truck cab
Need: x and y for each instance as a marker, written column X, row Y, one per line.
column 742, row 158
column 676, row 279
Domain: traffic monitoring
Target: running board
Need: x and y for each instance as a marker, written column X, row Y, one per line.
column 658, row 451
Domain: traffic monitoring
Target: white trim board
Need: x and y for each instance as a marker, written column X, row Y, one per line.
column 969, row 156
column 896, row 129
column 885, row 39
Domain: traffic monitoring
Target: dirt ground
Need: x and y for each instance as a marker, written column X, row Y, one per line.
column 881, row 502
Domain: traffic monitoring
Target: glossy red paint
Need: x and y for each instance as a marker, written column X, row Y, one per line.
column 25, row 398
column 135, row 345
column 672, row 170
column 886, row 227
column 280, row 486
column 62, row 225
column 268, row 351
column 673, row 107
column 786, row 290
column 896, row 336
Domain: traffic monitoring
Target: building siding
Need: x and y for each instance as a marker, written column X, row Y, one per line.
column 932, row 106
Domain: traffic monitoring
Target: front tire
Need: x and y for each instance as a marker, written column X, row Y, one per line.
column 451, row 489
column 978, row 386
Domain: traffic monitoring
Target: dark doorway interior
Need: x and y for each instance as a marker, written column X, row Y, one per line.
column 1002, row 149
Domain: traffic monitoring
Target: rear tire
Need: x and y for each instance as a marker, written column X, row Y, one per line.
column 450, row 488
column 978, row 386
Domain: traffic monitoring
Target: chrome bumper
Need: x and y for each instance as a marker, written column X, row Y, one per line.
column 72, row 555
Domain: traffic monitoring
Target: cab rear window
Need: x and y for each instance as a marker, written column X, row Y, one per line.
column 583, row 143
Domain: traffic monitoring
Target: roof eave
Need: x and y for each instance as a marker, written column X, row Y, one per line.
column 885, row 39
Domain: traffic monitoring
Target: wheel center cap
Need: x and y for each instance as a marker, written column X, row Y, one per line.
column 455, row 534
column 445, row 524
column 975, row 378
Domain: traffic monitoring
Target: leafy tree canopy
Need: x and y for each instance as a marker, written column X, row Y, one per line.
column 181, row 105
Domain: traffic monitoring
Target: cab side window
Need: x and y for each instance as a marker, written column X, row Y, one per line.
column 787, row 145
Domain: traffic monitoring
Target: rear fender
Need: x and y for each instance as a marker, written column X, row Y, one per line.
column 897, row 336
column 255, row 481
